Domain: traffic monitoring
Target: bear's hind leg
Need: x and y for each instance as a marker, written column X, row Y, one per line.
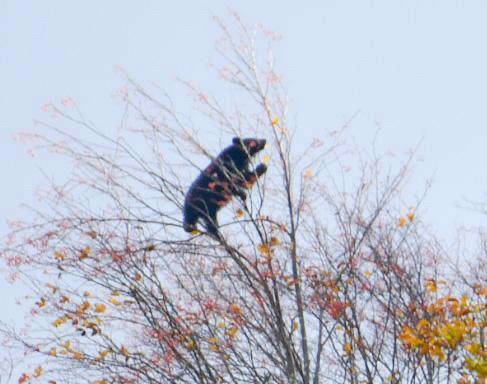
column 211, row 224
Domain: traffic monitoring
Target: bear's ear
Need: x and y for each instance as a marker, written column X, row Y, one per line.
column 236, row 140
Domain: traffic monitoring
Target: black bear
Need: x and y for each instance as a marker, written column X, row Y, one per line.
column 227, row 176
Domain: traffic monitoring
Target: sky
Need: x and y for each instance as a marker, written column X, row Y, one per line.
column 415, row 68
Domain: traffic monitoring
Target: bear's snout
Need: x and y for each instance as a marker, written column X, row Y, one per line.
column 261, row 144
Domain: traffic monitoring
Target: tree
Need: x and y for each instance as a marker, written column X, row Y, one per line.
column 324, row 275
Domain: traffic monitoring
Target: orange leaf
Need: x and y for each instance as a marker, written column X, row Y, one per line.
column 38, row 372
column 100, row 308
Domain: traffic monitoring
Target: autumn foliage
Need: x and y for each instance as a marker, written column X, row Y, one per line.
column 326, row 274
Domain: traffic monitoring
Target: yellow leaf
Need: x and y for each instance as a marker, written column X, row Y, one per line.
column 214, row 347
column 411, row 216
column 423, row 323
column 295, row 326
column 221, row 325
column 114, row 301
column 347, row 348
column 474, row 349
column 59, row 321
column 431, row 286
column 232, row 332
column 275, row 121
column 213, row 340
column 402, row 222
column 67, row 345
column 195, row 232
column 53, row 352
column 266, row 159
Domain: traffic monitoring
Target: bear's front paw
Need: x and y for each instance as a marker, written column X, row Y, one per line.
column 261, row 169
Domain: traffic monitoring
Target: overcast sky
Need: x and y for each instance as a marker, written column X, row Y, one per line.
column 415, row 68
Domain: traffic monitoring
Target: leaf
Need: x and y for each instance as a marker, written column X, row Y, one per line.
column 41, row 303
column 275, row 121
column 64, row 299
column 221, row 325
column 114, row 301
column 239, row 213
column 295, row 326
column 150, row 248
column 124, row 351
column 235, row 309
column 232, row 332
column 100, row 308
column 84, row 253
column 431, row 286
column 264, row 249
column 275, row 241
column 38, row 372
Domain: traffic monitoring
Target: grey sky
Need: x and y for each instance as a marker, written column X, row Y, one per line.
column 416, row 68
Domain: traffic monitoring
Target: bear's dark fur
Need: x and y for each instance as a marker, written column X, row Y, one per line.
column 227, row 176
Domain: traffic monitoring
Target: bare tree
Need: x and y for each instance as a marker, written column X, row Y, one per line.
column 318, row 278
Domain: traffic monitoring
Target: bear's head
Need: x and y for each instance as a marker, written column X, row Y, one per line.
column 251, row 146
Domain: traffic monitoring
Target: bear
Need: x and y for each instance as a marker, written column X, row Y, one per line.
column 228, row 175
